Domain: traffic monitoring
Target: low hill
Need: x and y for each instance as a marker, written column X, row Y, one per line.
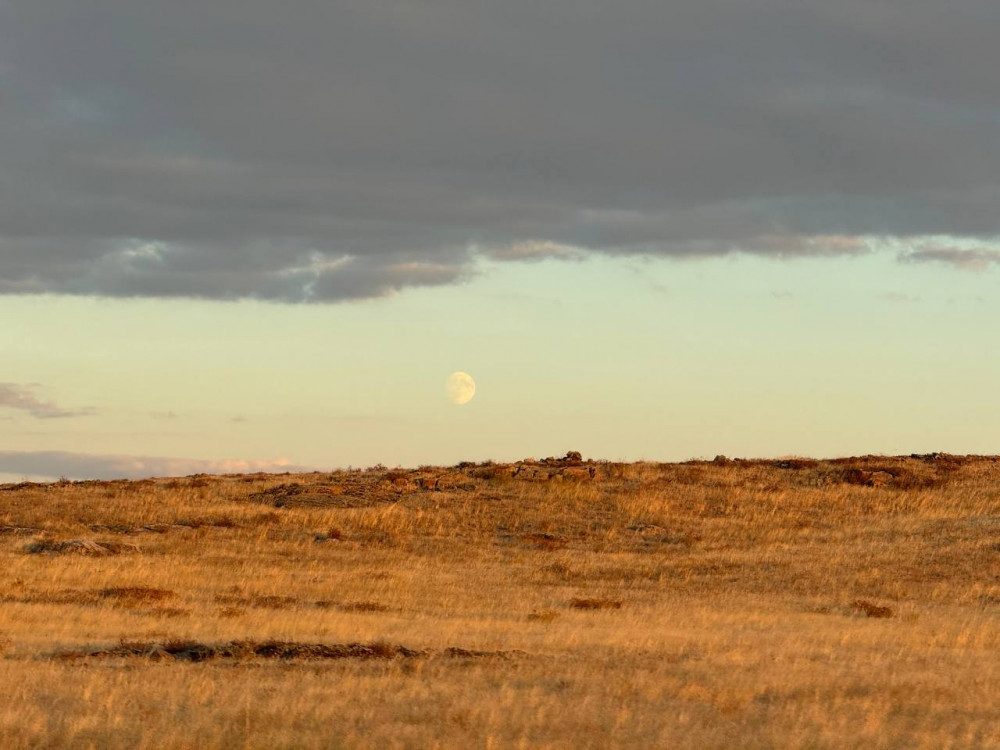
column 559, row 602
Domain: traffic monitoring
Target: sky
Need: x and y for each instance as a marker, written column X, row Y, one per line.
column 241, row 236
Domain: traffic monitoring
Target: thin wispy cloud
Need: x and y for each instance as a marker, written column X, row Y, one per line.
column 24, row 398
column 975, row 259
column 314, row 151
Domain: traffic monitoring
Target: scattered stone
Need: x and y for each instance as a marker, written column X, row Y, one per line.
column 531, row 472
column 570, row 467
column 427, row 482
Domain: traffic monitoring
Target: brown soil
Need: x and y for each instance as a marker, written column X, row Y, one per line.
column 241, row 650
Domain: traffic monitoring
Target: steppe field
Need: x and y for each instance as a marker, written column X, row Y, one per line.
column 558, row 603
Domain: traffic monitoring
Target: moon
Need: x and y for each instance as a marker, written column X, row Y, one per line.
column 460, row 387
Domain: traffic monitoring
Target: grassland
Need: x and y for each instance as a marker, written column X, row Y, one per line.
column 560, row 604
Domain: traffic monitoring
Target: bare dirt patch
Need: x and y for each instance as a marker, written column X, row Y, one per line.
column 870, row 609
column 595, row 603
column 196, row 651
column 132, row 595
column 545, row 541
column 358, row 606
column 267, row 601
column 18, row 531
column 545, row 615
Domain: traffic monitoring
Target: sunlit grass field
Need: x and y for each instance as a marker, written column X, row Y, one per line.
column 551, row 604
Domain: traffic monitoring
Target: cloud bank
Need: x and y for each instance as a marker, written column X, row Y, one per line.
column 318, row 151
column 56, row 464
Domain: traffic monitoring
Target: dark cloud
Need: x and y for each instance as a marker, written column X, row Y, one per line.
column 313, row 150
column 86, row 466
column 23, row 398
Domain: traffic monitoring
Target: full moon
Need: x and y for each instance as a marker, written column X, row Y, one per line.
column 460, row 387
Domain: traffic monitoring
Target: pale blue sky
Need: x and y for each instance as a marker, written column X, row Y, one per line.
column 621, row 358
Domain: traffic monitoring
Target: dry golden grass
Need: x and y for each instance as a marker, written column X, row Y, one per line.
column 563, row 604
